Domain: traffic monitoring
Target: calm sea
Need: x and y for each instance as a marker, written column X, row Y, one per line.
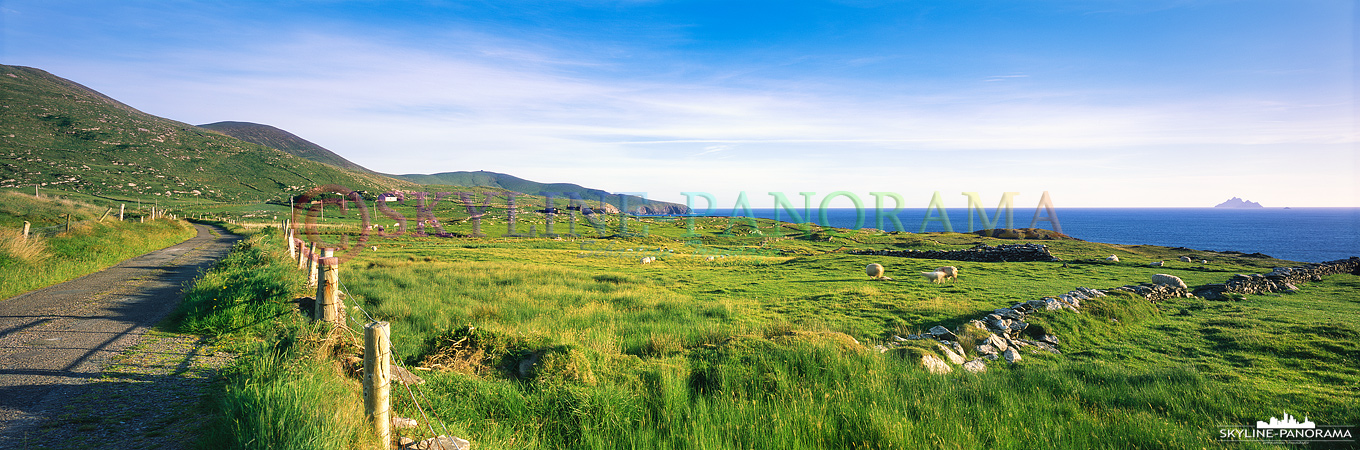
column 1297, row 234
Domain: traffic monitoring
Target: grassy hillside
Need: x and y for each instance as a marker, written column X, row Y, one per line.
column 63, row 136
column 516, row 184
column 273, row 137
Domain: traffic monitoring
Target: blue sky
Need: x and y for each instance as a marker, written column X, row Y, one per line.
column 1100, row 103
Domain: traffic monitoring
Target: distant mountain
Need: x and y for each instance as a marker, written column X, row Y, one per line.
column 1238, row 203
column 272, row 137
column 61, row 135
column 513, row 183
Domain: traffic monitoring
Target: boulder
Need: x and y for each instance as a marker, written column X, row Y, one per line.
column 438, row 443
column 943, row 333
column 935, row 365
column 950, row 355
column 1011, row 356
column 975, row 366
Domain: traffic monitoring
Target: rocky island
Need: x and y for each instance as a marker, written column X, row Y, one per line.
column 1238, row 203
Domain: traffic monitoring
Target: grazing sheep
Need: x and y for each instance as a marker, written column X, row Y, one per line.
column 1204, row 261
column 1186, row 259
column 950, row 272
column 874, row 270
column 648, row 259
column 1113, row 258
column 1156, row 264
column 1169, row 280
column 934, row 277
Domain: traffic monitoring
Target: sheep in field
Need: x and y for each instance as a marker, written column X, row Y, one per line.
column 934, row 277
column 874, row 270
column 1186, row 259
column 950, row 272
column 1169, row 280
column 1156, row 264
column 1113, row 258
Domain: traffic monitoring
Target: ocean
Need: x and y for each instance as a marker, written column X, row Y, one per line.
column 1296, row 234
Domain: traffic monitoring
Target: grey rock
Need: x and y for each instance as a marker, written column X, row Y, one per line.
column 975, row 366
column 1011, row 356
column 942, row 333
column 950, row 355
column 935, row 365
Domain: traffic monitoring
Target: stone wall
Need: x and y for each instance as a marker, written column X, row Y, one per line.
column 1001, row 335
column 979, row 253
column 1282, row 279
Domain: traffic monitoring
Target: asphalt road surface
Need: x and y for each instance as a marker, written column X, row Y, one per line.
column 56, row 339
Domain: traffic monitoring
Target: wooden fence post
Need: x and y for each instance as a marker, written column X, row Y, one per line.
column 120, row 211
column 26, row 225
column 328, row 289
column 303, row 255
column 378, row 379
column 313, row 268
column 292, row 246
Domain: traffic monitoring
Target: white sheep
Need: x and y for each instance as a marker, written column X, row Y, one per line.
column 950, row 272
column 1156, row 264
column 1186, row 259
column 1169, row 280
column 648, row 259
column 1204, row 261
column 1113, row 258
column 934, row 277
column 874, row 270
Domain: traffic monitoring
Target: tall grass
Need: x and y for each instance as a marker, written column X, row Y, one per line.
column 284, row 391
column 87, row 248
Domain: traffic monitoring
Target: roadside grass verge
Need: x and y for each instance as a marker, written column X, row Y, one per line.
column 89, row 247
column 283, row 391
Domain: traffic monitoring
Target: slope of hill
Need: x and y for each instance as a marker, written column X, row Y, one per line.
column 276, row 138
column 59, row 135
column 513, row 183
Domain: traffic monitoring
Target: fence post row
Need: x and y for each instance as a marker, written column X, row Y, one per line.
column 378, row 379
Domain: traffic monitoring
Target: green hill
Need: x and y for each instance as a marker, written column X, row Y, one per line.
column 276, row 138
column 516, row 184
column 59, row 135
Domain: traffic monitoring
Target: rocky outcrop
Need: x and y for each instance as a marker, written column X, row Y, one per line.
column 1282, row 279
column 979, row 253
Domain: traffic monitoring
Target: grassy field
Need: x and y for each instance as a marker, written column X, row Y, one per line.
column 52, row 254
column 735, row 338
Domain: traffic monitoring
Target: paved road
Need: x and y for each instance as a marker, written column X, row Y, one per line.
column 56, row 339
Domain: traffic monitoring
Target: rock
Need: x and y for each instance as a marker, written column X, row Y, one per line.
column 935, row 365
column 958, row 348
column 440, row 442
column 987, row 349
column 1048, row 348
column 899, row 338
column 402, row 422
column 1010, row 314
column 1051, row 339
column 950, row 355
column 403, row 376
column 943, row 333
column 975, row 366
column 881, row 349
column 1169, row 280
column 997, row 342
column 1011, row 356
column 990, row 356
column 1186, row 259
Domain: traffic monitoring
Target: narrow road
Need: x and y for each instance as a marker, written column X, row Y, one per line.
column 57, row 339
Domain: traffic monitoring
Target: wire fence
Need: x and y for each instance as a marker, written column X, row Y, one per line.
column 350, row 327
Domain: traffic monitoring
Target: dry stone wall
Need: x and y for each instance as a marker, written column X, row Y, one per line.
column 979, row 253
column 1001, row 334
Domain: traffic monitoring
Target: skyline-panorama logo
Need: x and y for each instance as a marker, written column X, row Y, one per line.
column 1287, row 429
